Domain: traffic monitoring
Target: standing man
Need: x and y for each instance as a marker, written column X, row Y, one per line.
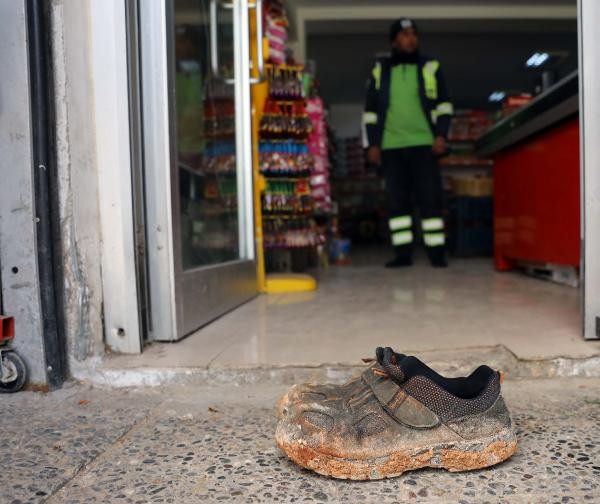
column 407, row 117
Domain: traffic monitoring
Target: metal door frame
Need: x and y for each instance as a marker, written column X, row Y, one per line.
column 112, row 128
column 589, row 114
column 18, row 213
column 175, row 295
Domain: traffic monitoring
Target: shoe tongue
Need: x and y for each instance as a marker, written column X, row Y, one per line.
column 391, row 362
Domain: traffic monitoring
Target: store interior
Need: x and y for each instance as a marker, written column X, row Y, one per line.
column 484, row 61
column 323, row 210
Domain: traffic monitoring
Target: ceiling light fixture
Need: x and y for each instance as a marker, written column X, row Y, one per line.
column 497, row 96
column 537, row 59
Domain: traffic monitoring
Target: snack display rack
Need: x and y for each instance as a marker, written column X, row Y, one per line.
column 286, row 165
column 282, row 199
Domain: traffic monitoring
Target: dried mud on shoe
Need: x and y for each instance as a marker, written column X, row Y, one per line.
column 399, row 415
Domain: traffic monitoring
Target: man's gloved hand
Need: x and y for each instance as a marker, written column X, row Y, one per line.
column 439, row 145
column 374, row 155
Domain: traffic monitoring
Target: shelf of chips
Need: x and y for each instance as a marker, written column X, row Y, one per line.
column 287, row 196
column 286, row 163
column 285, row 158
column 292, row 233
column 466, row 127
column 218, row 131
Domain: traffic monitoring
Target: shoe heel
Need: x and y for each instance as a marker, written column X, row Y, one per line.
column 489, row 438
column 478, row 454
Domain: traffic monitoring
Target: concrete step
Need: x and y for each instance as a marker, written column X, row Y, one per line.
column 458, row 362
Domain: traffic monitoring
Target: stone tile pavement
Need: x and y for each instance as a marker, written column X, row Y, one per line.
column 185, row 444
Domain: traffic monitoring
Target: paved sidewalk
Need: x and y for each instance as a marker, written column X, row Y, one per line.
column 192, row 444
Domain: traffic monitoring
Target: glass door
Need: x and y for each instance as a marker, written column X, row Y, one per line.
column 198, row 163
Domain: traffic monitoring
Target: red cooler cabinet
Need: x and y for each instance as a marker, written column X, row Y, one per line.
column 537, row 199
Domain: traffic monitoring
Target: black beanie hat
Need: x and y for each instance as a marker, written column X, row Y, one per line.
column 399, row 25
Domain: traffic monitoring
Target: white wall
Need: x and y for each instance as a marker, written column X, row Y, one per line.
column 77, row 179
column 94, row 170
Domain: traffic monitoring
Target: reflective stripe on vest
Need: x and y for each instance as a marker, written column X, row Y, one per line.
column 444, row 108
column 402, row 222
column 402, row 238
column 434, row 239
column 377, row 75
column 369, row 118
column 429, row 78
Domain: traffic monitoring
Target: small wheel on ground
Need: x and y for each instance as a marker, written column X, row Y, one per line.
column 15, row 373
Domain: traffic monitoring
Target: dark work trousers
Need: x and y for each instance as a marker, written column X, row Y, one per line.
column 412, row 176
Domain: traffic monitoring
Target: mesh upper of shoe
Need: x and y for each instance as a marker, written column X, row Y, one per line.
column 320, row 420
column 446, row 405
column 370, row 425
column 427, row 387
column 358, row 397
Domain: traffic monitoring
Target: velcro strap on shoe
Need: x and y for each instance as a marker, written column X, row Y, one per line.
column 383, row 388
column 403, row 407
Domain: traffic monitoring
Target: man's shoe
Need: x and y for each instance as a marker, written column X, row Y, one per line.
column 439, row 263
column 403, row 416
column 437, row 257
column 399, row 262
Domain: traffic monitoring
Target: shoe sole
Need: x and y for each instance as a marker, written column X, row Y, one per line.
column 453, row 456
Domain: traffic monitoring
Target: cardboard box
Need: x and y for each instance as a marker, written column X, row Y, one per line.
column 474, row 186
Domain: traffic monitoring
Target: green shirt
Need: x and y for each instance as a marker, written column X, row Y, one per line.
column 405, row 123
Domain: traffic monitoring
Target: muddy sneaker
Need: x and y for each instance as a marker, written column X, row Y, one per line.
column 326, row 393
column 404, row 416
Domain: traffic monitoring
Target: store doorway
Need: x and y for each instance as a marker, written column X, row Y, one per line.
column 197, row 162
column 360, row 304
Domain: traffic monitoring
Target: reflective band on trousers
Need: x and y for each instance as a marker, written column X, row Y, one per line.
column 402, row 238
column 432, row 224
column 434, row 239
column 369, row 118
column 430, row 79
column 402, row 222
column 444, row 108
